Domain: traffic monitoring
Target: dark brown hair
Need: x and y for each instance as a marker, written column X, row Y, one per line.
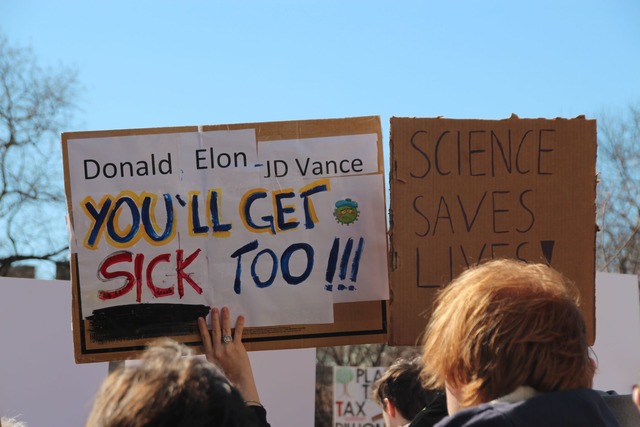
column 402, row 386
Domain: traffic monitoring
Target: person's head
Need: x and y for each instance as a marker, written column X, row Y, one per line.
column 635, row 396
column 505, row 324
column 169, row 387
column 11, row 422
column 400, row 392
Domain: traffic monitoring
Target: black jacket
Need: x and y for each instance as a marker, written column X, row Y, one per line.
column 574, row 408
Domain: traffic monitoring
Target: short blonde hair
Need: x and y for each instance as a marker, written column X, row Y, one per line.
column 11, row 422
column 169, row 388
column 505, row 324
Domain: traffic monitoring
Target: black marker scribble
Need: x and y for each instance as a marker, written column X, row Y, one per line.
column 142, row 321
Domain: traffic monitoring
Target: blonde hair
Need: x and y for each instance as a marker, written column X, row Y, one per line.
column 11, row 422
column 169, row 388
column 505, row 324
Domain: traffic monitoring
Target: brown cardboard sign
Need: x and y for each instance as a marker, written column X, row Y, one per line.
column 467, row 190
column 284, row 222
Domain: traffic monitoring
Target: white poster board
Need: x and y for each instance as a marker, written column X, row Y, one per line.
column 39, row 381
column 286, row 381
column 37, row 362
column 213, row 218
column 617, row 346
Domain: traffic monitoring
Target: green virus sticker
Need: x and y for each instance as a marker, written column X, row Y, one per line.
column 346, row 211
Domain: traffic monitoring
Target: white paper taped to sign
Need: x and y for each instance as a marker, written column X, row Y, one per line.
column 277, row 231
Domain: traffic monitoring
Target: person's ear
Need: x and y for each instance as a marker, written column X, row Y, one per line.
column 389, row 408
column 635, row 395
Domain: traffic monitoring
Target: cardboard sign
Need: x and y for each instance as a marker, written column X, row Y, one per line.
column 282, row 222
column 352, row 402
column 467, row 190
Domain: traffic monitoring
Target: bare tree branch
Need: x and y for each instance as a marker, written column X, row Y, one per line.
column 35, row 105
column 619, row 192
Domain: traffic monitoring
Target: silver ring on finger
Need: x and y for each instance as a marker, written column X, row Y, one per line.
column 226, row 339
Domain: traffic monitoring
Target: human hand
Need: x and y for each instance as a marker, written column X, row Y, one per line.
column 227, row 351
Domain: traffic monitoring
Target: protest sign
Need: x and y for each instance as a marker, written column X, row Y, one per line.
column 283, row 222
column 467, row 190
column 352, row 402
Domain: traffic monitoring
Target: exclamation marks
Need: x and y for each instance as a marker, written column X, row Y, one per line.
column 343, row 267
column 547, row 249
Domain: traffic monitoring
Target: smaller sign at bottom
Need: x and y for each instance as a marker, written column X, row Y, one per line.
column 353, row 405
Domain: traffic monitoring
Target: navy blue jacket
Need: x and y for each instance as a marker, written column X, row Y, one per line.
column 260, row 414
column 574, row 408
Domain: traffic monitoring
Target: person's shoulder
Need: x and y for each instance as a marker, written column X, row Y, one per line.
column 566, row 408
column 622, row 407
column 482, row 415
column 260, row 414
column 430, row 415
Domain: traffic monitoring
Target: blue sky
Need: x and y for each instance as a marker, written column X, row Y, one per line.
column 173, row 63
